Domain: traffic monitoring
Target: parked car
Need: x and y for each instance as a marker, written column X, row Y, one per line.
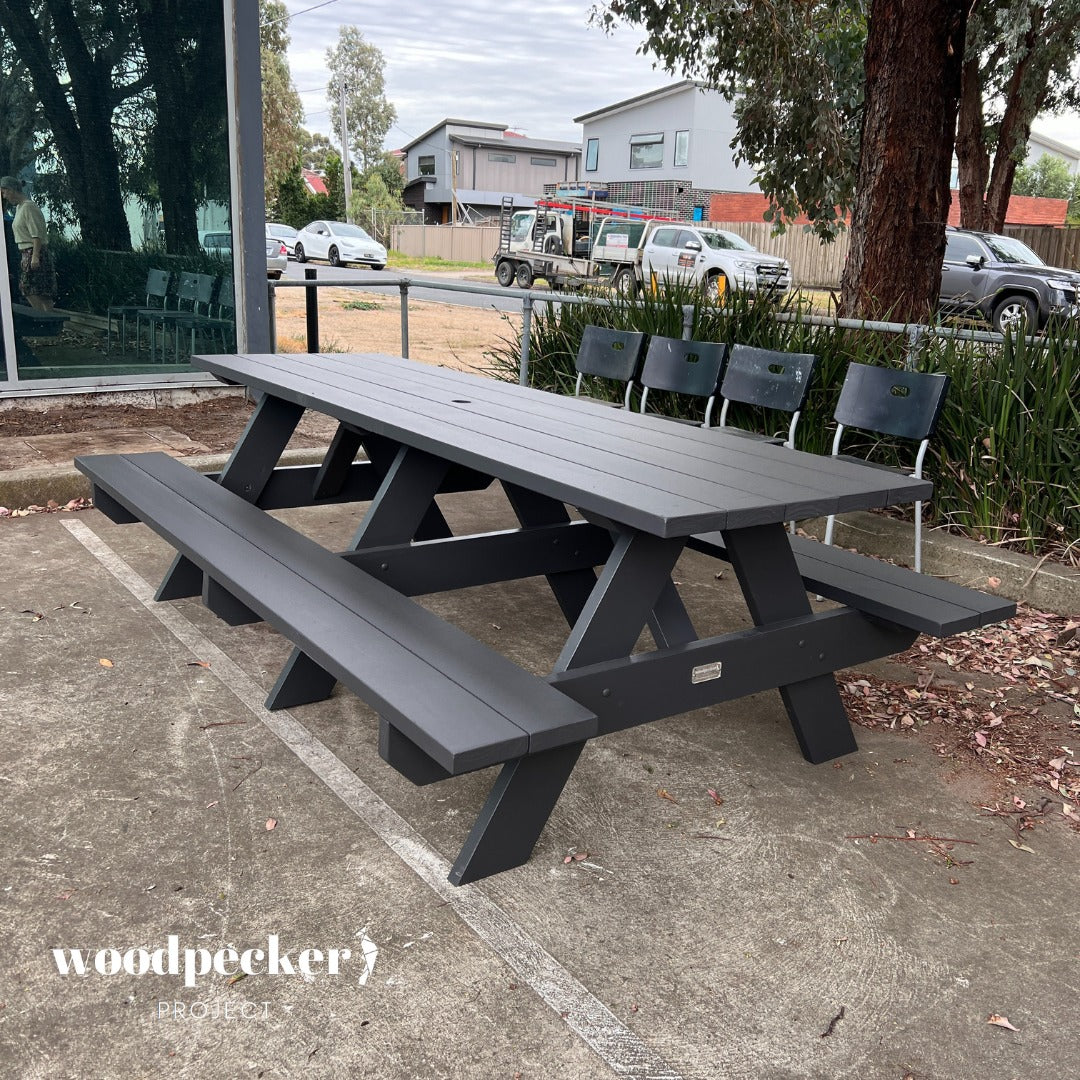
column 1001, row 280
column 217, row 242
column 339, row 242
column 277, row 257
column 285, row 233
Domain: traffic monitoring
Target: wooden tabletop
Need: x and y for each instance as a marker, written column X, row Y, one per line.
column 646, row 472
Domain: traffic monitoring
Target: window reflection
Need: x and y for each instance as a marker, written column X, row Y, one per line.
column 114, row 141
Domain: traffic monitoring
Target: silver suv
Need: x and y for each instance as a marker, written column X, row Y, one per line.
column 1000, row 279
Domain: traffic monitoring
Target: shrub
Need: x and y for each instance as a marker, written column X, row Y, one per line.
column 1006, row 459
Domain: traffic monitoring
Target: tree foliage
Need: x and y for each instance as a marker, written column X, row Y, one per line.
column 283, row 112
column 793, row 71
column 315, row 148
column 1019, row 61
column 357, row 66
column 1049, row 178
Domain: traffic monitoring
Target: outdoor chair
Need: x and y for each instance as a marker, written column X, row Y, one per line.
column 194, row 297
column 889, row 401
column 612, row 355
column 683, row 367
column 770, row 378
column 157, row 291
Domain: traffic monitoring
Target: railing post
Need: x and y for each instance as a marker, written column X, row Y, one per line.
column 687, row 321
column 311, row 306
column 526, row 335
column 271, row 309
column 916, row 336
column 403, row 288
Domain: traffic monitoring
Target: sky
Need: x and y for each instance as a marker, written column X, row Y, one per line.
column 530, row 66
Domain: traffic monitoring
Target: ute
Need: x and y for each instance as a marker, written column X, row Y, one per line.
column 570, row 243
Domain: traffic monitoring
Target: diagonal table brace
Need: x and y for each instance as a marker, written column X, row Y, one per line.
column 246, row 473
column 526, row 790
column 400, row 507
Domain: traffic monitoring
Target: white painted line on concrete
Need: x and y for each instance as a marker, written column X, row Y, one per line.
column 584, row 1013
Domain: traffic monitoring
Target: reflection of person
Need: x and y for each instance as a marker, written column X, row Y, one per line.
column 37, row 276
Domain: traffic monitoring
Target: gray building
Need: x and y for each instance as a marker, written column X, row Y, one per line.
column 460, row 170
column 668, row 149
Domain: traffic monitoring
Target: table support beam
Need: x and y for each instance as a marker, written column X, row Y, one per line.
column 526, row 790
column 772, row 585
column 245, row 473
column 401, row 507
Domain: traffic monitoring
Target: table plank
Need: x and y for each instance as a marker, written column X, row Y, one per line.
column 667, row 479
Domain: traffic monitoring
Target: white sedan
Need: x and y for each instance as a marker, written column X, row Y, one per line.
column 339, row 242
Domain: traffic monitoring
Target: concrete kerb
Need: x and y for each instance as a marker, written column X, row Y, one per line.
column 1044, row 585
column 35, row 487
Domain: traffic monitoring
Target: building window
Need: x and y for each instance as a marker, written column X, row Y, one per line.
column 647, row 151
column 425, row 165
column 682, row 148
column 543, row 161
column 509, row 158
column 592, row 155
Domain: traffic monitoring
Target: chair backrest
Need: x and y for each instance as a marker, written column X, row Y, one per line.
column 771, row 378
column 683, row 367
column 157, row 286
column 204, row 291
column 609, row 354
column 187, row 292
column 226, row 301
column 891, row 401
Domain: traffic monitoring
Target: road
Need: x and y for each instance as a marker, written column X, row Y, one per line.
column 501, row 299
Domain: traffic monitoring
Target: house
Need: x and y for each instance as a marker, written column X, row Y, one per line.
column 667, row 150
column 460, row 170
column 1042, row 144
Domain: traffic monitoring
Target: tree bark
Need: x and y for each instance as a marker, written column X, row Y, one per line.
column 83, row 135
column 972, row 157
column 914, row 54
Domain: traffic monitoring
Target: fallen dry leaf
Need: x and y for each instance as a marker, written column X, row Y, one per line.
column 994, row 582
column 1021, row 847
column 1000, row 1021
column 715, row 798
column 105, row 663
column 271, row 823
column 198, row 663
column 665, row 794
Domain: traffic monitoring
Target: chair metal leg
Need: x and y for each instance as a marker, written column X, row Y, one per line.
column 918, row 538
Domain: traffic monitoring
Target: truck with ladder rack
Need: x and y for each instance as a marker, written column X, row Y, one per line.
column 572, row 243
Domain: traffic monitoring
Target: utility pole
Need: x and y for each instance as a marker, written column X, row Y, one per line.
column 346, row 166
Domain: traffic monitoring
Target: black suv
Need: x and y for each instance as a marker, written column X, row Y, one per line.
column 1003, row 281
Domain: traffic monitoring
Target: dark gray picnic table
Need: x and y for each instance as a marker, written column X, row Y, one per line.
column 645, row 488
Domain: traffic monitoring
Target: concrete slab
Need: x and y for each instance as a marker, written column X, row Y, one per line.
column 62, row 448
column 753, row 939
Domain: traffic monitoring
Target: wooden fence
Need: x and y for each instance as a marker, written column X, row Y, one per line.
column 454, row 243
column 1054, row 245
column 813, row 264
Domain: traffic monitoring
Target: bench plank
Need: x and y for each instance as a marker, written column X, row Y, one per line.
column 919, row 601
column 461, row 703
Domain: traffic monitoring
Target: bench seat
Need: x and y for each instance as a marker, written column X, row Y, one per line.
column 460, row 703
column 917, row 601
column 30, row 322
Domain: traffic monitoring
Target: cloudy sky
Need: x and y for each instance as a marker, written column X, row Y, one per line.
column 532, row 66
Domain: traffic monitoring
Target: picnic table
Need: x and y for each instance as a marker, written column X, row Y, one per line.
column 643, row 488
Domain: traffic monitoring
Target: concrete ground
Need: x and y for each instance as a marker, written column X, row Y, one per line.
column 149, row 800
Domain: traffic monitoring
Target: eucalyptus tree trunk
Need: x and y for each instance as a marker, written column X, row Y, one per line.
column 913, row 60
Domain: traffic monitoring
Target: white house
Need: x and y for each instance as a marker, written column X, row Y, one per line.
column 1043, row 144
column 668, row 149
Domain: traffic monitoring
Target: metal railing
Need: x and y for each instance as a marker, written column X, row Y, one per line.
column 918, row 334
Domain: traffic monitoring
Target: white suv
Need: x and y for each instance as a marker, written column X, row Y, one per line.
column 713, row 257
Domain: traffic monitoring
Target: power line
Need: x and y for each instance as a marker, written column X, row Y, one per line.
column 283, row 18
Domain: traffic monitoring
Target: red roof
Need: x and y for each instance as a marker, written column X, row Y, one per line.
column 315, row 183
column 1023, row 209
